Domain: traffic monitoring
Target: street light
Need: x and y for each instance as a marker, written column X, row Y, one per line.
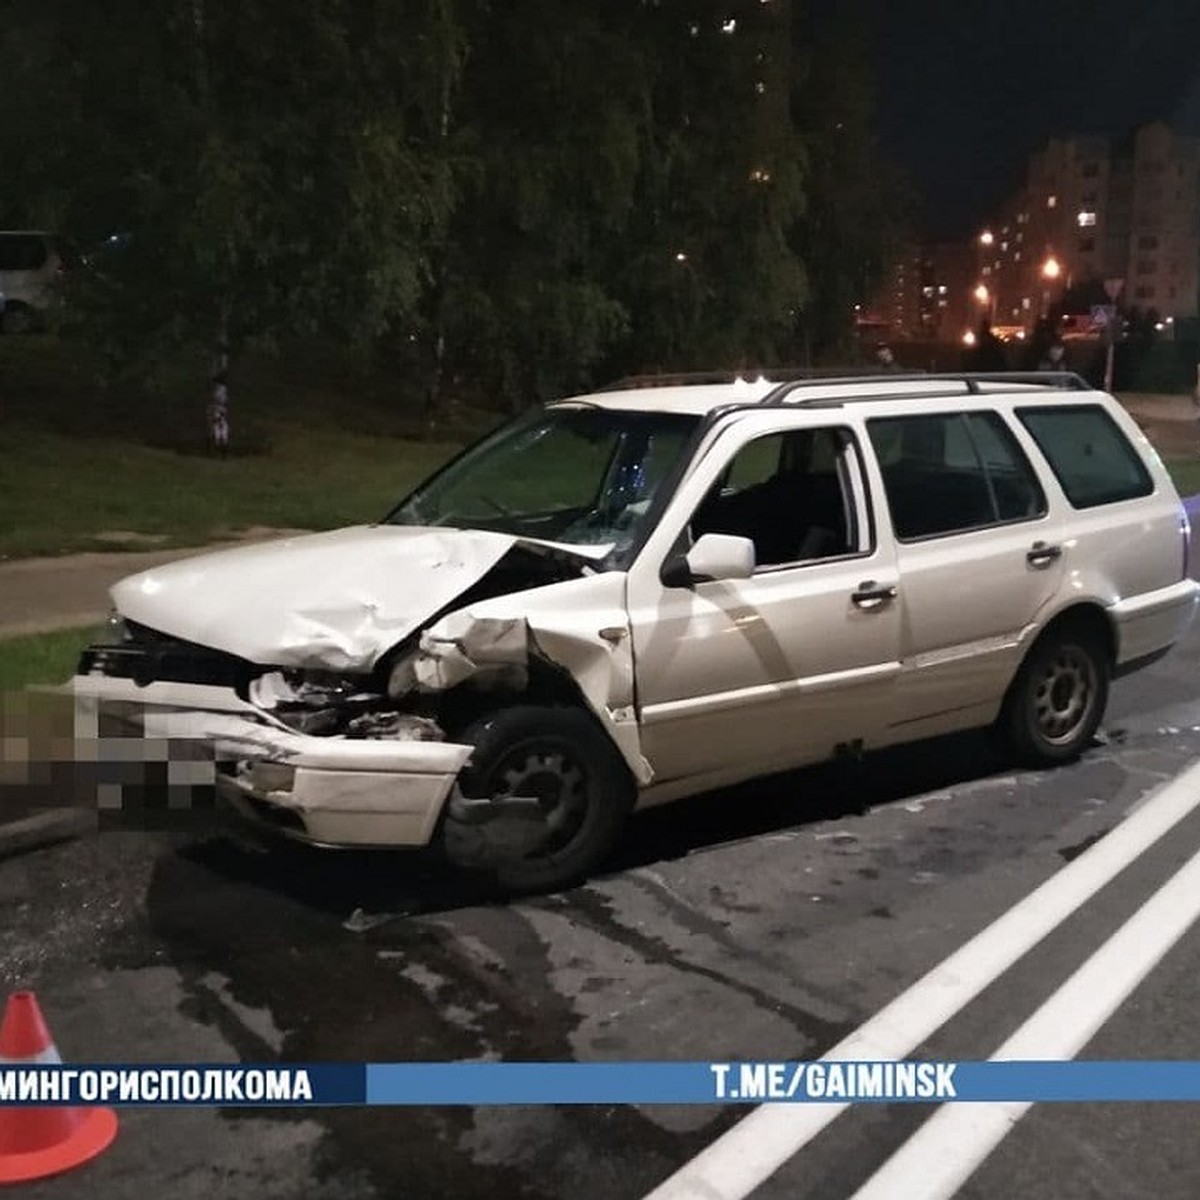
column 982, row 294
column 986, row 238
column 1051, row 268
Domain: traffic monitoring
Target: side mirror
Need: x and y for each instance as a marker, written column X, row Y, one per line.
column 714, row 556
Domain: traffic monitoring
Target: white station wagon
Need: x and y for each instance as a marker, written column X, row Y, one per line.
column 630, row 597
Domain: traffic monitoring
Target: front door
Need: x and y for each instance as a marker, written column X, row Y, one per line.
column 738, row 677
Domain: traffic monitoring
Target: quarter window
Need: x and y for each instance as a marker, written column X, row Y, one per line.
column 952, row 472
column 1090, row 456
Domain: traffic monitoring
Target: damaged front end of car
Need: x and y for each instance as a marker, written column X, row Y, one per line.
column 354, row 740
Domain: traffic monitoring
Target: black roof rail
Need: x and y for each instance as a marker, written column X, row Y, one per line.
column 1061, row 381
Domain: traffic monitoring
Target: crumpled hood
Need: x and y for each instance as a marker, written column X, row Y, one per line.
column 334, row 600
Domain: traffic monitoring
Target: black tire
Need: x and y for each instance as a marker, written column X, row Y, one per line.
column 583, row 788
column 1057, row 701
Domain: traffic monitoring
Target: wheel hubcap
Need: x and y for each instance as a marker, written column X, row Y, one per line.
column 1064, row 695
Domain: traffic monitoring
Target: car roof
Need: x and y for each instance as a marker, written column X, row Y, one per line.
column 701, row 398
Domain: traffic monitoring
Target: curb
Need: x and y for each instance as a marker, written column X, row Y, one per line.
column 44, row 829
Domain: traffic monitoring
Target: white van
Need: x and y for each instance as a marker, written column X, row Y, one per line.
column 30, row 265
column 630, row 597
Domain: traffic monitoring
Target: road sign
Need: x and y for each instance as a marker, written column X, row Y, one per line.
column 1103, row 315
column 1112, row 287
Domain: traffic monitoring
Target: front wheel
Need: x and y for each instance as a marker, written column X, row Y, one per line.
column 541, row 801
column 1058, row 697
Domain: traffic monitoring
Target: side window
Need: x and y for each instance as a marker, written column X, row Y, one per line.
column 950, row 472
column 754, row 464
column 790, row 494
column 22, row 252
column 1090, row 456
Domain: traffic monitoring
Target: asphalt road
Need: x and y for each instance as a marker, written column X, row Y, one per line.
column 765, row 922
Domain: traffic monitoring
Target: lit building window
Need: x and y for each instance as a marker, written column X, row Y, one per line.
column 1004, row 247
column 761, row 87
column 1086, row 217
column 729, row 26
column 985, row 238
column 759, row 175
column 1026, row 303
column 942, row 289
column 1051, row 201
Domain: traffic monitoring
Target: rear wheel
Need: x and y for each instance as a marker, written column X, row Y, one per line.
column 542, row 800
column 1058, row 698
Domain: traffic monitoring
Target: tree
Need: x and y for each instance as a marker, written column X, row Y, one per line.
column 858, row 207
column 705, row 269
column 264, row 192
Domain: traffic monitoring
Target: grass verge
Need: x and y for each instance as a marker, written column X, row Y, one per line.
column 41, row 658
column 312, row 447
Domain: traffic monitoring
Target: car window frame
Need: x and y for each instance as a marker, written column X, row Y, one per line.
column 1092, row 407
column 859, row 507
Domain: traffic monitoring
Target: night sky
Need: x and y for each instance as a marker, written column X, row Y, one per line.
column 966, row 90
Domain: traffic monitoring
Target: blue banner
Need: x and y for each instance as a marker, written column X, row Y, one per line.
column 488, row 1083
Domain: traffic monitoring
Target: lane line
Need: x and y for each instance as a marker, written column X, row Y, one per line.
column 939, row 1158
column 757, row 1146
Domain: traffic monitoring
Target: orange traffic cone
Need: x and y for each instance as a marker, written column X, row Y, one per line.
column 35, row 1142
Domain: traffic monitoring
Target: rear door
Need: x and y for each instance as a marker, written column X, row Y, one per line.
column 978, row 558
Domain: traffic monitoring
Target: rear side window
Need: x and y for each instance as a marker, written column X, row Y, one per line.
column 950, row 472
column 22, row 252
column 1090, row 456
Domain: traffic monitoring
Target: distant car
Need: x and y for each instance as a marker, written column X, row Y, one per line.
column 630, row 597
column 31, row 263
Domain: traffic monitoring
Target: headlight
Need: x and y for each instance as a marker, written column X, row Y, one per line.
column 308, row 689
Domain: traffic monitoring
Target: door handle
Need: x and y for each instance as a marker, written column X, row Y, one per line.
column 1043, row 554
column 871, row 594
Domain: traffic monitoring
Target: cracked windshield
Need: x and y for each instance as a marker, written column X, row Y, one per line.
column 586, row 477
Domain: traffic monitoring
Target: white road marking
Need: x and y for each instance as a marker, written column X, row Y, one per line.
column 941, row 1156
column 758, row 1145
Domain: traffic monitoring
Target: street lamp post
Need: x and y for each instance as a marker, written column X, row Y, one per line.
column 1112, row 289
column 1051, row 271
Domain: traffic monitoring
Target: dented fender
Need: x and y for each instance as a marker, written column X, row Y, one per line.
column 579, row 626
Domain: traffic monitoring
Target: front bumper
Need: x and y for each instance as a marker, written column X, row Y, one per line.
column 330, row 791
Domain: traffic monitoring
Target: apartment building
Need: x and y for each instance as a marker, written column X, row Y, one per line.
column 1093, row 209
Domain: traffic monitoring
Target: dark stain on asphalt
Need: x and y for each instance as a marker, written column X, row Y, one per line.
column 1071, row 853
column 338, row 996
column 595, row 911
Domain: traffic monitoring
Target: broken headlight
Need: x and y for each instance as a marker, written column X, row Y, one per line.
column 309, row 689
column 114, row 631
